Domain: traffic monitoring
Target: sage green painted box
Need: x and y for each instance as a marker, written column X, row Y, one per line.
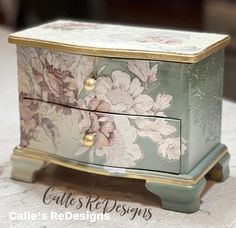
column 123, row 101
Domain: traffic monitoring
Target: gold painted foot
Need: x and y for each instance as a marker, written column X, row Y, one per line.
column 25, row 169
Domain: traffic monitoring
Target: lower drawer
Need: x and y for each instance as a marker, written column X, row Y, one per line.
column 124, row 141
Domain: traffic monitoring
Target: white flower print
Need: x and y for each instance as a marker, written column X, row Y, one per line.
column 123, row 93
column 154, row 130
column 142, row 69
column 124, row 152
column 162, row 102
column 170, row 148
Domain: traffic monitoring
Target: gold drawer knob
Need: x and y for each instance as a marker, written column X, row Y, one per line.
column 90, row 84
column 89, row 140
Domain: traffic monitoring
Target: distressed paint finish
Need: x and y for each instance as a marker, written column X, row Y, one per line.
column 203, row 83
column 190, row 93
column 137, row 87
column 158, row 117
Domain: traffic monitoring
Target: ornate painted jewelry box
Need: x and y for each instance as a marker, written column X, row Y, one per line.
column 123, row 101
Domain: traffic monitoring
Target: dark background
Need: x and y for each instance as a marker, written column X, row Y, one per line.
column 217, row 16
column 180, row 13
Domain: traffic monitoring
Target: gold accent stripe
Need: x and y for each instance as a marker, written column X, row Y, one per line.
column 168, row 179
column 120, row 53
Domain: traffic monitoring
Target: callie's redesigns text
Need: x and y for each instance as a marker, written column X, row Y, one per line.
column 94, row 203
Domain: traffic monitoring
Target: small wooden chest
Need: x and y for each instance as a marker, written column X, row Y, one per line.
column 123, row 101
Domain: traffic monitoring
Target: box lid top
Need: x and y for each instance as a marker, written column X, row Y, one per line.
column 121, row 41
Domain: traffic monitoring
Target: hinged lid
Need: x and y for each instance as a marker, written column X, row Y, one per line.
column 121, row 41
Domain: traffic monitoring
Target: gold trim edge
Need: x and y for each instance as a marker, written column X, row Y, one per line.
column 121, row 53
column 29, row 153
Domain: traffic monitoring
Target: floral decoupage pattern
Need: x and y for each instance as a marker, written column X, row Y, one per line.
column 31, row 119
column 118, row 37
column 55, row 109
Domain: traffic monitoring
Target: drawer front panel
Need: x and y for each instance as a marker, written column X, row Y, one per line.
column 126, row 86
column 124, row 141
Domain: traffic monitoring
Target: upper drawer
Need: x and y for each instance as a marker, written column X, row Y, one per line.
column 102, row 84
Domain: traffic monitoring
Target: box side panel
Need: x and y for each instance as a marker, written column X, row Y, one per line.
column 185, row 117
column 205, row 82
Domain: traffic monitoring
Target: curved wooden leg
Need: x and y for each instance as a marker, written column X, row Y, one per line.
column 178, row 197
column 220, row 172
column 24, row 168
